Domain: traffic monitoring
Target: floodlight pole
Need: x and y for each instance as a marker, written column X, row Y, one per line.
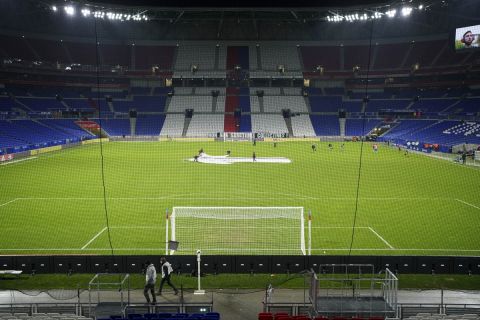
column 199, row 290
column 310, row 232
column 166, row 232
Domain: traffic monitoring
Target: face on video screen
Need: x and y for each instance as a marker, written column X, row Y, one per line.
column 467, row 37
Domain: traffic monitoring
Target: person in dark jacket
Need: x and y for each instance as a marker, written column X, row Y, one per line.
column 150, row 278
column 166, row 273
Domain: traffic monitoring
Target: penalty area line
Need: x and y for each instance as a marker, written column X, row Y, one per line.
column 468, row 204
column 95, row 237
column 241, row 249
column 17, row 161
column 381, row 238
column 6, row 203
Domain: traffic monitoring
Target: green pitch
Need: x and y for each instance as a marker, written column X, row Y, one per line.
column 411, row 205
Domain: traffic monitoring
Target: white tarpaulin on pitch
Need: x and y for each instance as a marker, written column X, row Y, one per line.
column 205, row 158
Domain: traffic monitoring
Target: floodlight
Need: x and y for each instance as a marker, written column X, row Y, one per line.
column 420, row 7
column 54, row 8
column 86, row 12
column 391, row 13
column 69, row 10
column 406, row 11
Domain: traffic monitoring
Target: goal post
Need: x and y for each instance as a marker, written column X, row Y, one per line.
column 239, row 230
column 476, row 158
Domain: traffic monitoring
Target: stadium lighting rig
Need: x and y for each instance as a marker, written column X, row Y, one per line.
column 101, row 13
column 391, row 11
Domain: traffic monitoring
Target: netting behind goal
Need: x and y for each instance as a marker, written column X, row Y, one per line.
column 239, row 230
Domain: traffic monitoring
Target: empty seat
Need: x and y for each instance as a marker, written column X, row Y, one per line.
column 265, row 316
column 281, row 315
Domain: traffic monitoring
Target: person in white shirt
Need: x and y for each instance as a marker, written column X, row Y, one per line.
column 150, row 279
column 166, row 272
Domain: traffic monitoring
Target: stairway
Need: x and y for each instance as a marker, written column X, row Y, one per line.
column 410, row 105
column 214, row 104
column 307, row 103
column 110, row 106
column 451, row 106
column 217, row 53
column 67, row 107
column 300, row 58
column 17, row 102
column 260, row 104
column 259, row 59
column 186, row 123
column 342, row 122
column 167, row 103
column 133, row 126
column 288, row 122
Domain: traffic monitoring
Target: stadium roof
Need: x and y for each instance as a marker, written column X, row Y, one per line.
column 250, row 20
column 242, row 4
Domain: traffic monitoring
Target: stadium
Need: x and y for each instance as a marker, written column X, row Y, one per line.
column 326, row 148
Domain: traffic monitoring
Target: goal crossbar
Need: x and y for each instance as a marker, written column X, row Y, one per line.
column 235, row 230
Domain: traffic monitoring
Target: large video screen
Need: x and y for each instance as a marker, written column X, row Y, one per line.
column 467, row 38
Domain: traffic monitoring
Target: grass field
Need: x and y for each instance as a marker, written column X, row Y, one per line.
column 225, row 281
column 411, row 205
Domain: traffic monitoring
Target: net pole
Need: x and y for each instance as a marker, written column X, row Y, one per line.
column 310, row 232
column 166, row 232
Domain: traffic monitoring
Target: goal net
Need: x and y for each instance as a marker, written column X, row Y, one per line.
column 476, row 158
column 239, row 230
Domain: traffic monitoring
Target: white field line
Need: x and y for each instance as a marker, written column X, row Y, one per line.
column 230, row 197
column 434, row 156
column 381, row 238
column 259, row 228
column 4, row 204
column 395, row 249
column 17, row 161
column 95, row 237
column 468, row 204
column 267, row 227
column 244, row 249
